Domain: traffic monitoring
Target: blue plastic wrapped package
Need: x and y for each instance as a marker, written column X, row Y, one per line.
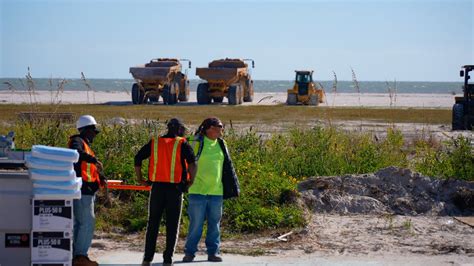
column 55, row 153
column 74, row 184
column 48, row 193
column 38, row 163
column 52, row 175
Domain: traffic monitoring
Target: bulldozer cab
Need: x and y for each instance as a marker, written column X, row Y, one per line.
column 304, row 76
column 463, row 109
column 468, row 87
column 303, row 79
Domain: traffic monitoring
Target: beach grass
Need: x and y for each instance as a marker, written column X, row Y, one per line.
column 249, row 115
column 269, row 168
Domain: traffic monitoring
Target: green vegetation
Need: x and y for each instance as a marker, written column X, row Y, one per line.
column 268, row 168
column 253, row 115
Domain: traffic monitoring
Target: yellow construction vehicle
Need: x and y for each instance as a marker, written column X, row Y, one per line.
column 229, row 78
column 463, row 109
column 161, row 77
column 304, row 90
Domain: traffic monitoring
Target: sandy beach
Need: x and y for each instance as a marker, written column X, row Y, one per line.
column 262, row 98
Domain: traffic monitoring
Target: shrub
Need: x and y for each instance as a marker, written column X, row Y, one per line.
column 268, row 169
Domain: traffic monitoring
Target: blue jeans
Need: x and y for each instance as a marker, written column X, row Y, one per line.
column 200, row 208
column 84, row 223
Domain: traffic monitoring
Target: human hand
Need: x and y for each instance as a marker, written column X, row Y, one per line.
column 102, row 181
column 143, row 182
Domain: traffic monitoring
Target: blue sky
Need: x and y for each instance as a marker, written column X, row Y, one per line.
column 381, row 40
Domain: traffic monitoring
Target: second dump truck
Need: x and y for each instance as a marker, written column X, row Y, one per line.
column 161, row 77
column 225, row 78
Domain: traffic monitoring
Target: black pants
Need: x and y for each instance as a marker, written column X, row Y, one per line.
column 164, row 197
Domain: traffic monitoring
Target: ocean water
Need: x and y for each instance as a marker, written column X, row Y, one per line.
column 111, row 85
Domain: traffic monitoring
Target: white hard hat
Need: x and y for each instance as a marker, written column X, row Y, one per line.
column 85, row 120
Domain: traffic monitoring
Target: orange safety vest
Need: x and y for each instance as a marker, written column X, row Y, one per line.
column 89, row 171
column 165, row 160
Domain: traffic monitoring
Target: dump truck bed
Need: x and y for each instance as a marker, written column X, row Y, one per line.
column 220, row 74
column 152, row 74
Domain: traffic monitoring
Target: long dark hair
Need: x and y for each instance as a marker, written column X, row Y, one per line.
column 206, row 124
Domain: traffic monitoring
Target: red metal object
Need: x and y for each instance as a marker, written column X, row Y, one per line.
column 117, row 184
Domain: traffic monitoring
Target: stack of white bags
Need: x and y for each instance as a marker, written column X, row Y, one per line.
column 52, row 172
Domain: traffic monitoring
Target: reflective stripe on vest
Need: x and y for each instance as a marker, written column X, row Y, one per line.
column 162, row 166
column 89, row 171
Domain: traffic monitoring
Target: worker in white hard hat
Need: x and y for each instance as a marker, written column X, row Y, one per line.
column 89, row 168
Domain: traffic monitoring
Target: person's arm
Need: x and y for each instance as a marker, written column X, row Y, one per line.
column 141, row 155
column 192, row 169
column 188, row 155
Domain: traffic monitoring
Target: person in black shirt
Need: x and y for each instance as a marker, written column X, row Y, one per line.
column 171, row 171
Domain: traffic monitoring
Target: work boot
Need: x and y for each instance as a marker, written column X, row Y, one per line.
column 146, row 263
column 82, row 260
column 188, row 258
column 214, row 258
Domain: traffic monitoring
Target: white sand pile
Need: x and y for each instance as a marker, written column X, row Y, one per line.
column 390, row 190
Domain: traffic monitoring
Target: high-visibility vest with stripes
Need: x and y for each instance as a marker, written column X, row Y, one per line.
column 89, row 171
column 165, row 160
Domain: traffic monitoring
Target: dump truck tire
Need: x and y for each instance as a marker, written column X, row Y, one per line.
column 291, row 99
column 458, row 117
column 165, row 93
column 314, row 99
column 169, row 95
column 202, row 94
column 137, row 94
column 233, row 95
column 184, row 93
column 241, row 94
column 248, row 96
column 218, row 99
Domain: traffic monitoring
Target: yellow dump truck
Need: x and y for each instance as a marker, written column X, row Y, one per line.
column 161, row 77
column 304, row 90
column 225, row 78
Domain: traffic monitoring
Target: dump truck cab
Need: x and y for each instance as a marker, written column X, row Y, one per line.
column 304, row 90
column 463, row 109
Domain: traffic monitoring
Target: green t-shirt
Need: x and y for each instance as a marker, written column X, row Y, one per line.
column 208, row 179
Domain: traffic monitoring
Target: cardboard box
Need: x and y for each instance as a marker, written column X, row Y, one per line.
column 52, row 215
column 51, row 246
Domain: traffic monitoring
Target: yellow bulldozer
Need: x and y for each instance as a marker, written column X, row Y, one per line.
column 304, row 90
